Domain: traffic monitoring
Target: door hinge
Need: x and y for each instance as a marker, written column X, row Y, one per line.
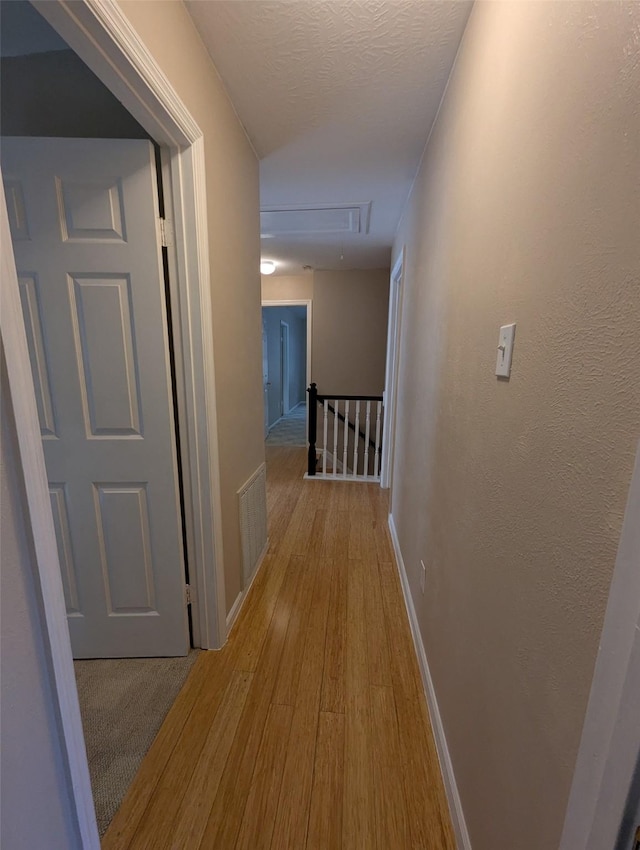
column 165, row 227
column 188, row 598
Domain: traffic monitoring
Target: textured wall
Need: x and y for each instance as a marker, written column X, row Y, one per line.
column 526, row 209
column 350, row 311
column 36, row 811
column 287, row 287
column 349, row 318
column 234, row 243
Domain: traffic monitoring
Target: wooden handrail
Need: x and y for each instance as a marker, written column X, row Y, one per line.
column 329, row 396
column 314, row 399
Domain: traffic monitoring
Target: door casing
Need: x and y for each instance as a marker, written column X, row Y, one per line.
column 284, row 368
column 265, row 379
column 610, row 744
column 100, row 33
column 394, row 331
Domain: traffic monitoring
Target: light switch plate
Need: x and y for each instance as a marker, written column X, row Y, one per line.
column 505, row 350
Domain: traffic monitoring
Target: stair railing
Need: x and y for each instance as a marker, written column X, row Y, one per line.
column 355, row 454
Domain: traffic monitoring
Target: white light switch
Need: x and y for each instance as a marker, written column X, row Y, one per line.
column 505, row 350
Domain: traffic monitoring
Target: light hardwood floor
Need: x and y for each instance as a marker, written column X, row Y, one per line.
column 309, row 729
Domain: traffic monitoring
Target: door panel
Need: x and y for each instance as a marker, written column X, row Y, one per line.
column 123, row 526
column 58, row 496
column 31, row 309
column 107, row 365
column 16, row 210
column 83, row 216
column 91, row 210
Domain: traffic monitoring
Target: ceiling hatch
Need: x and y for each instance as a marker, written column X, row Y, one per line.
column 315, row 219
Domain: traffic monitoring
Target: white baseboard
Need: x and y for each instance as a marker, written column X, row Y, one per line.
column 446, row 767
column 232, row 616
column 361, row 479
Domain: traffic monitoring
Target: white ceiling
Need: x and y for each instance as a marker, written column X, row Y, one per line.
column 337, row 99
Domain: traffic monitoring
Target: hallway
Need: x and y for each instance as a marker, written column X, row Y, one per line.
column 310, row 728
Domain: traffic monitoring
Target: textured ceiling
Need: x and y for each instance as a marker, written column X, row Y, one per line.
column 338, row 99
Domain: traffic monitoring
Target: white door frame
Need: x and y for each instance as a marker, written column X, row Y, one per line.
column 284, row 367
column 391, row 371
column 301, row 302
column 100, row 33
column 265, row 378
column 610, row 741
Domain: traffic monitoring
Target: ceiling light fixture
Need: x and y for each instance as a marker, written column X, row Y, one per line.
column 267, row 267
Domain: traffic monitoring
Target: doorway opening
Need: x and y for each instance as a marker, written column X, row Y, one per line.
column 94, row 282
column 130, row 72
column 285, row 367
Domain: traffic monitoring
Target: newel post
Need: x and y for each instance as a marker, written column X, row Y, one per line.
column 313, row 423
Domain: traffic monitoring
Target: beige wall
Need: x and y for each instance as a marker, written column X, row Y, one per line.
column 234, row 244
column 287, row 287
column 526, row 209
column 350, row 312
column 349, row 334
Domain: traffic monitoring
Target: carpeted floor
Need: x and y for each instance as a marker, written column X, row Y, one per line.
column 291, row 430
column 123, row 702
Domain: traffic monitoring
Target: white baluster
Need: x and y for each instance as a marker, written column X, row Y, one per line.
column 356, row 439
column 376, row 460
column 345, row 448
column 367, row 432
column 324, row 444
column 336, row 423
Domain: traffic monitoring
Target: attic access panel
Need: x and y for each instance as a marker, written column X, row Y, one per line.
column 310, row 220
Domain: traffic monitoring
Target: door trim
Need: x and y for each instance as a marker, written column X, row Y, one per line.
column 284, row 367
column 394, row 330
column 610, row 741
column 100, row 33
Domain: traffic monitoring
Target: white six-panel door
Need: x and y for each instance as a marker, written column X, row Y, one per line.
column 83, row 216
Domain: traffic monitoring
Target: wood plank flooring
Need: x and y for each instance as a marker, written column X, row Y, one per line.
column 309, row 730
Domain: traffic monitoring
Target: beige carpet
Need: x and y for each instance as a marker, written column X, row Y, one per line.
column 291, row 430
column 123, row 703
